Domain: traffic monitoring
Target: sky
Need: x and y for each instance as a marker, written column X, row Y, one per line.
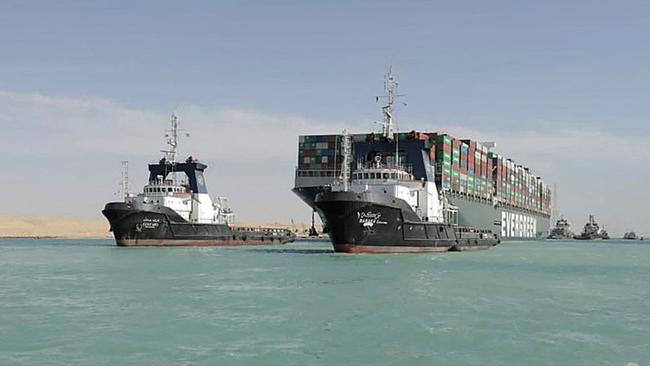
column 561, row 86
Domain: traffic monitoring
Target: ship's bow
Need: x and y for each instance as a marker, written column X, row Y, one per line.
column 132, row 223
column 360, row 222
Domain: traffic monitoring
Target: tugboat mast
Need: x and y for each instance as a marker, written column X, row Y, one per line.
column 388, row 125
column 389, row 85
column 172, row 140
column 125, row 178
column 345, row 168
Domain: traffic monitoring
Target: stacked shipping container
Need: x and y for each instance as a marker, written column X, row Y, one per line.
column 462, row 166
column 444, row 160
column 319, row 152
column 467, row 167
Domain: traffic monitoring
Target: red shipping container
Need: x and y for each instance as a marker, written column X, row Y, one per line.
column 471, row 157
column 489, row 170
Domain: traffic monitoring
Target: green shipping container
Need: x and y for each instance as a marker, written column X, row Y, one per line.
column 445, row 139
column 443, row 155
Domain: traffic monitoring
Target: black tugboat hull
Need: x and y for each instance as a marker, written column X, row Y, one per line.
column 376, row 223
column 152, row 225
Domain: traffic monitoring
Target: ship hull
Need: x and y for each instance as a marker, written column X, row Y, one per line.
column 510, row 223
column 589, row 237
column 375, row 223
column 138, row 225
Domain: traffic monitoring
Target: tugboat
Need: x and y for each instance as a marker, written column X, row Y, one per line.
column 630, row 236
column 592, row 231
column 175, row 209
column 562, row 230
column 383, row 209
column 604, row 234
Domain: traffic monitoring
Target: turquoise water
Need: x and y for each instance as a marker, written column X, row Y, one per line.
column 536, row 303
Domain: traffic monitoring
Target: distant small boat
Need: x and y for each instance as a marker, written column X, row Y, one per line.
column 631, row 235
column 592, row 231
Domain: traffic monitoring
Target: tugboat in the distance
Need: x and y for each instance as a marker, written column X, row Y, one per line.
column 562, row 230
column 176, row 210
column 592, row 231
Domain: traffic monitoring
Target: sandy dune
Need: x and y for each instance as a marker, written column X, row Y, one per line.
column 60, row 227
column 78, row 228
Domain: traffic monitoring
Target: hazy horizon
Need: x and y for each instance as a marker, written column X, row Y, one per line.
column 562, row 87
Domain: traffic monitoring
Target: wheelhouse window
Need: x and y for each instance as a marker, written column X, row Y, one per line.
column 385, row 175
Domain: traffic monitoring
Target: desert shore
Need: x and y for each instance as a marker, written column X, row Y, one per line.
column 57, row 227
column 53, row 227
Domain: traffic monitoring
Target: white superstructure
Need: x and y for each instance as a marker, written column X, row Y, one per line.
column 181, row 187
column 421, row 196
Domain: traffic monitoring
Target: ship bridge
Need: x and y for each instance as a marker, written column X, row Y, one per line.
column 192, row 169
column 380, row 176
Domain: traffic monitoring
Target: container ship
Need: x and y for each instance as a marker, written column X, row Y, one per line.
column 482, row 188
column 175, row 209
